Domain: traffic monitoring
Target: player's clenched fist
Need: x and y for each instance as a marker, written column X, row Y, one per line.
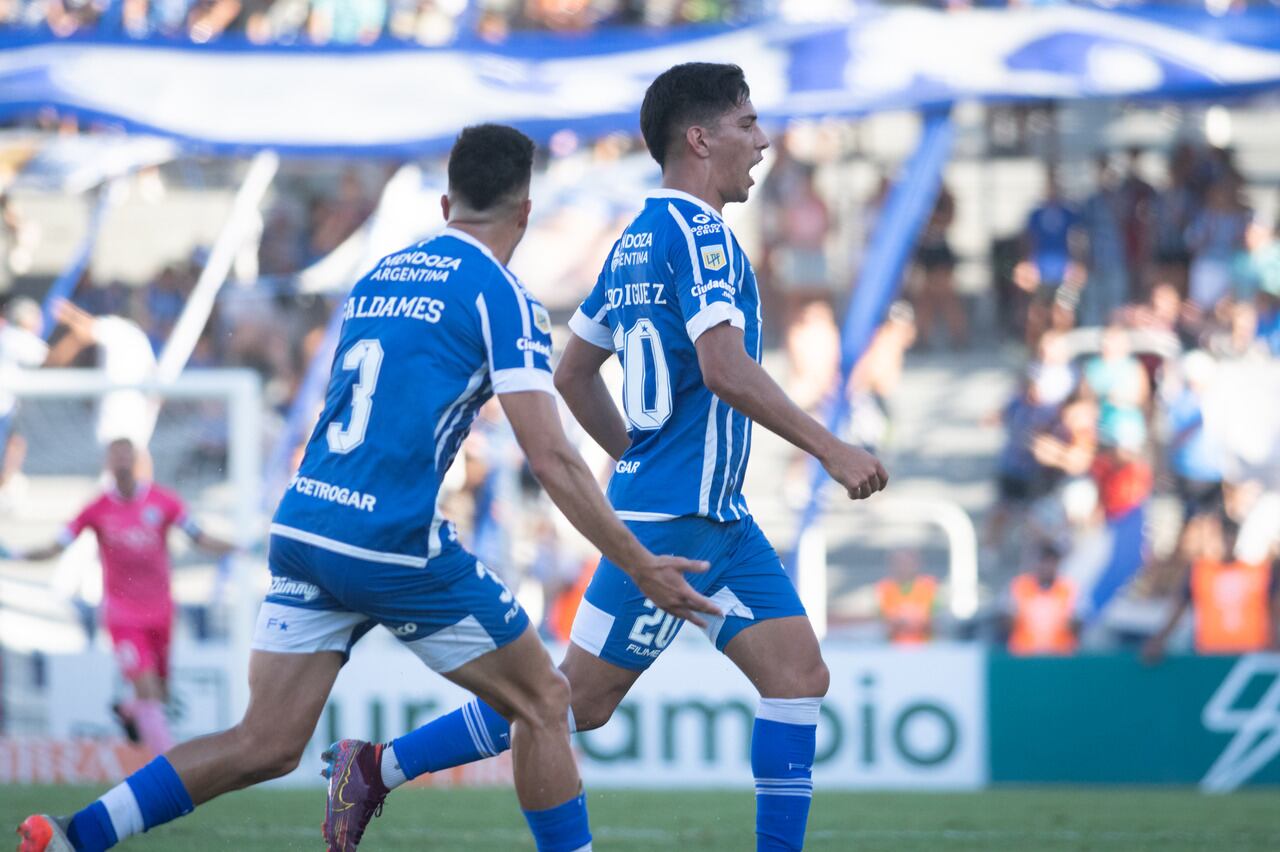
column 662, row 581
column 857, row 471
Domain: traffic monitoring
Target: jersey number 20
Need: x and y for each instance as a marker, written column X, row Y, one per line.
column 365, row 356
column 644, row 360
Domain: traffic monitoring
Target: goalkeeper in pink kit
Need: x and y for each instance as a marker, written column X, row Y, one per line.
column 131, row 520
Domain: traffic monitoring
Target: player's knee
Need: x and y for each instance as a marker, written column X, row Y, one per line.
column 547, row 703
column 267, row 755
column 593, row 707
column 280, row 761
column 810, row 679
column 592, row 713
column 817, row 680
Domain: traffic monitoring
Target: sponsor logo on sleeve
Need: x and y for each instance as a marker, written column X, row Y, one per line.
column 541, row 319
column 713, row 257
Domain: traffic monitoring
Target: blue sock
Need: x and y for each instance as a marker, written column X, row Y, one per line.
column 149, row 797
column 783, row 742
column 91, row 830
column 563, row 828
column 472, row 732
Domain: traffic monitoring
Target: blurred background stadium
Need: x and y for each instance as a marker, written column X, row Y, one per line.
column 1028, row 254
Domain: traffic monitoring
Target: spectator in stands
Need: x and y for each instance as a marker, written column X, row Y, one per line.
column 346, row 21
column 1107, row 287
column 163, row 300
column 1137, row 199
column 1236, row 603
column 1123, row 475
column 1020, row 478
column 907, row 599
column 1042, row 607
column 876, row 376
column 1214, row 238
column 67, row 17
column 1268, row 299
column 1054, row 376
column 1195, row 456
column 21, row 347
column 335, row 219
column 1118, row 381
column 427, row 22
column 1171, row 213
column 209, row 19
column 113, row 297
column 1236, row 336
column 18, row 236
column 1165, row 312
column 937, row 263
column 1071, row 444
column 283, row 249
column 156, row 18
column 1050, row 263
column 124, row 354
column 794, row 230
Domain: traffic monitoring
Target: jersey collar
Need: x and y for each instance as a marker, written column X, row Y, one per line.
column 139, row 493
column 471, row 241
column 684, row 196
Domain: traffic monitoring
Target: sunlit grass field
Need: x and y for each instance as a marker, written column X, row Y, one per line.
column 1032, row 819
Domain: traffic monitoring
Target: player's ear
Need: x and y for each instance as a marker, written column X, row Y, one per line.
column 444, row 206
column 696, row 138
column 525, row 208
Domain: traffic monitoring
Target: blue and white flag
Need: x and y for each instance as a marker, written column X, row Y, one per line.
column 409, row 100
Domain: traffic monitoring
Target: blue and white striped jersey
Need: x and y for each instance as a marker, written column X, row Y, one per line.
column 676, row 272
column 428, row 336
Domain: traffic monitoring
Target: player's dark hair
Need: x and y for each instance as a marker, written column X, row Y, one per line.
column 489, row 162
column 685, row 95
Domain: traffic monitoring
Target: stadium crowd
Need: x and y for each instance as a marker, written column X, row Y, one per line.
column 1146, row 311
column 353, row 22
column 1138, row 307
column 424, row 22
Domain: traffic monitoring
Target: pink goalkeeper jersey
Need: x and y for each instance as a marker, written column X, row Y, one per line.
column 135, row 555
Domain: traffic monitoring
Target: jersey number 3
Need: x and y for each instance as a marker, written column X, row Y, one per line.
column 646, row 388
column 365, row 356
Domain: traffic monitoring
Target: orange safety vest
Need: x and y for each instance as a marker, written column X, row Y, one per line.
column 564, row 607
column 909, row 611
column 1231, row 606
column 1042, row 617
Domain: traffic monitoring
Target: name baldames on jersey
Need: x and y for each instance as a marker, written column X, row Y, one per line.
column 422, row 308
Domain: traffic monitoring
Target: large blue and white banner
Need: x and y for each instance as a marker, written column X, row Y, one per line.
column 393, row 100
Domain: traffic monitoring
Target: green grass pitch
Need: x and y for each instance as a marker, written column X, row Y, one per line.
column 476, row 820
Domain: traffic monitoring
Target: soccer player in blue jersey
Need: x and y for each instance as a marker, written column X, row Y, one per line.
column 677, row 302
column 428, row 336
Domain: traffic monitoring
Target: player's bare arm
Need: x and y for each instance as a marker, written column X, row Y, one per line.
column 213, row 544
column 737, row 379
column 580, row 384
column 39, row 554
column 569, row 483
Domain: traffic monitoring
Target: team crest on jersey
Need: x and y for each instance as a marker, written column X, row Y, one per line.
column 713, row 257
column 701, row 218
column 541, row 318
column 151, row 516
